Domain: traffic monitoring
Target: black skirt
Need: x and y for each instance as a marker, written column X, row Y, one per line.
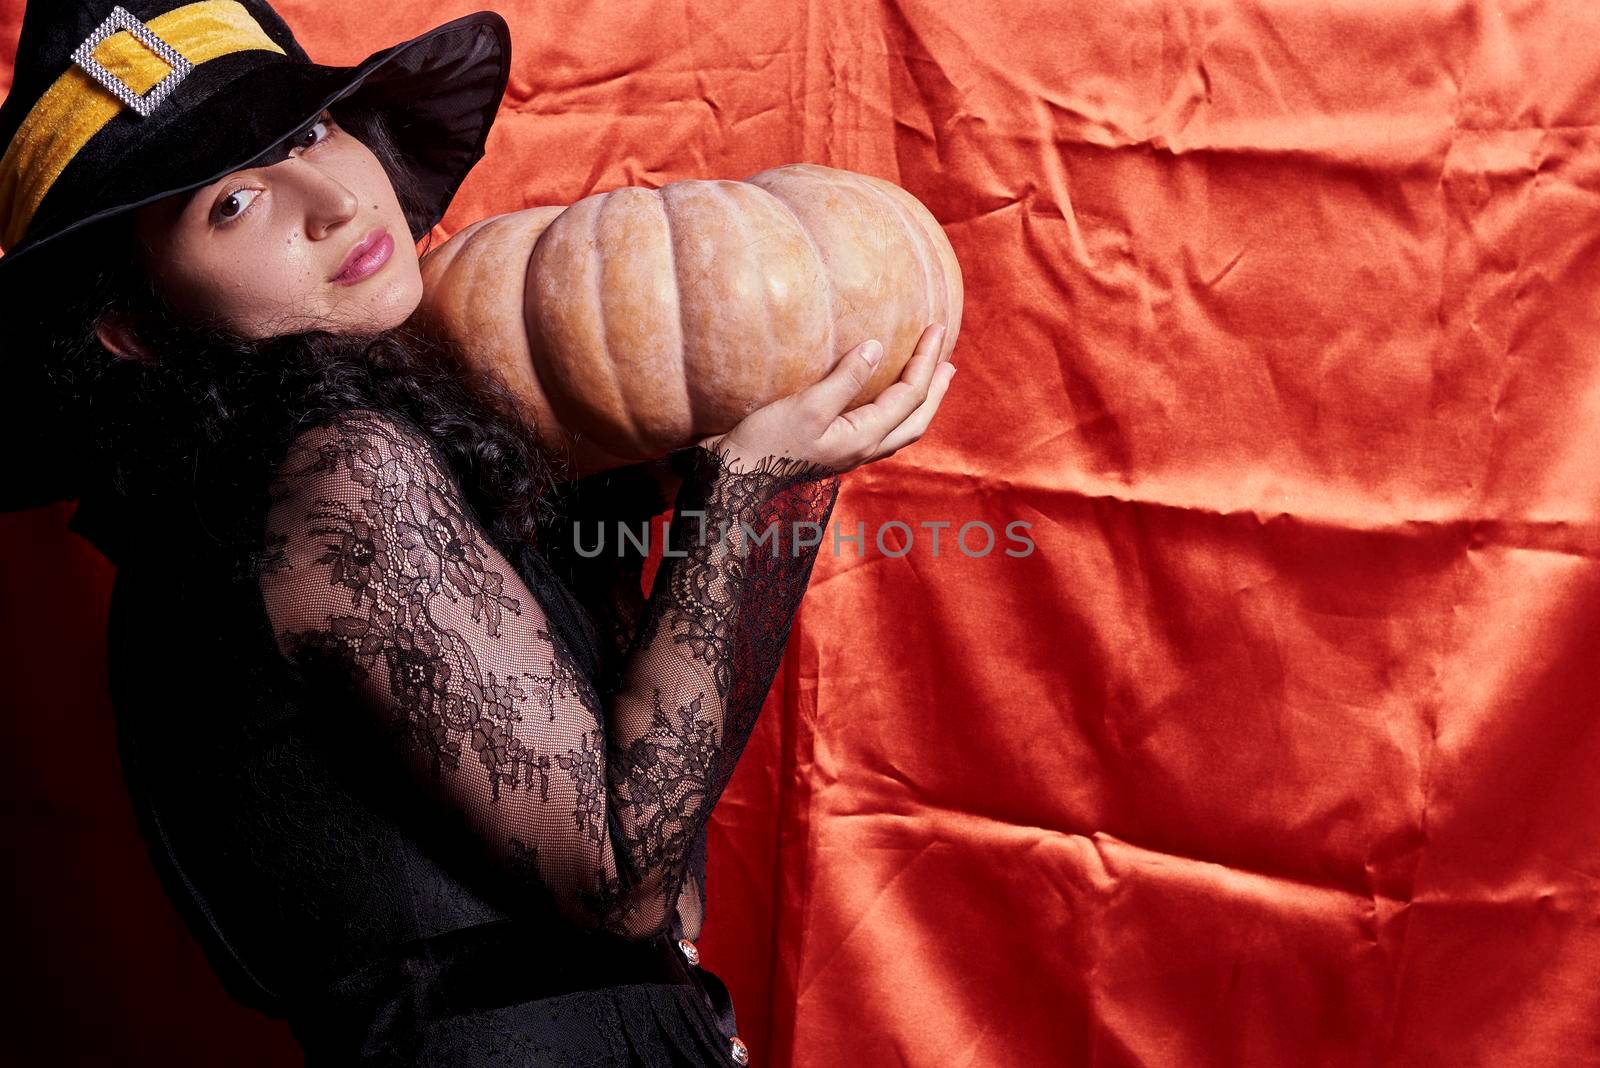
column 498, row 995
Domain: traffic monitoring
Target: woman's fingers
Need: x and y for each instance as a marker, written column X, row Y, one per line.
column 814, row 422
column 827, row 398
column 917, row 423
column 863, row 427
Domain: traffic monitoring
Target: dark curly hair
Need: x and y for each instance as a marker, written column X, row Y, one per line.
column 191, row 437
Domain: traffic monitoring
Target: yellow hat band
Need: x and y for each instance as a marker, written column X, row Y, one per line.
column 76, row 106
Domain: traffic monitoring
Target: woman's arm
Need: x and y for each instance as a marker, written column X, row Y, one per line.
column 383, row 579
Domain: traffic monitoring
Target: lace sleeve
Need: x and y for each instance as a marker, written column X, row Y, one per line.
column 377, row 569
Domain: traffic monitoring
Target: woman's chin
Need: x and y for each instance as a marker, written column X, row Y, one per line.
column 371, row 307
column 385, row 308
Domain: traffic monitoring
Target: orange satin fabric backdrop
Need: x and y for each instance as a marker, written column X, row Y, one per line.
column 1282, row 746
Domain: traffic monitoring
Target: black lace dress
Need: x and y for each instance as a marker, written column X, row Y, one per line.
column 396, row 805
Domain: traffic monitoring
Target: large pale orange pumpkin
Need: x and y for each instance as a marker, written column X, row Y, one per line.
column 637, row 321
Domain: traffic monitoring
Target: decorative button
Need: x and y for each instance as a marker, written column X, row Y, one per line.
column 692, row 953
column 116, row 22
column 741, row 1052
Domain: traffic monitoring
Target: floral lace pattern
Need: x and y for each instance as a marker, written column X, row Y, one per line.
column 377, row 576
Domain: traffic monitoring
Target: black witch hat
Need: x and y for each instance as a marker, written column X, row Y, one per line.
column 114, row 106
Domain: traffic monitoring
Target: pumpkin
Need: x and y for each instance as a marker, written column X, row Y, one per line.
column 646, row 319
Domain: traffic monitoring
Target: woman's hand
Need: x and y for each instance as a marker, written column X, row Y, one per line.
column 812, row 424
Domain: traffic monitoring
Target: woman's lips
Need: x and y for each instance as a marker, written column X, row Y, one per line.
column 372, row 252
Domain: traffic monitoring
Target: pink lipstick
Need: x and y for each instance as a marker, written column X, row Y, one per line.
column 370, row 253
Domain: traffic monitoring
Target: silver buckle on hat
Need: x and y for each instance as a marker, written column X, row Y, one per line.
column 120, row 19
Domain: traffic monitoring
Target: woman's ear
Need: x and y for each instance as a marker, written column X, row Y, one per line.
column 116, row 332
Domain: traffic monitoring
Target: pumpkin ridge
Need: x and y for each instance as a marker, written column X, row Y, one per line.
column 677, row 298
column 540, row 356
column 914, row 232
column 925, row 224
column 599, row 272
column 730, row 202
column 822, row 268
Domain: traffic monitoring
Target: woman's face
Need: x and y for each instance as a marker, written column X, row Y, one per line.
column 297, row 245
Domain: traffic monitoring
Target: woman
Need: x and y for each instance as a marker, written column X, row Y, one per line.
column 423, row 779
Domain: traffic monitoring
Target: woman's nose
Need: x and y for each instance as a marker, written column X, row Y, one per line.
column 329, row 203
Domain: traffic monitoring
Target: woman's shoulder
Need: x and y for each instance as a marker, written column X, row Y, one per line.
column 374, row 480
column 360, row 444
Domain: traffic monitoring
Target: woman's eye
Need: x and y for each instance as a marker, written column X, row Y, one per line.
column 233, row 205
column 311, row 135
